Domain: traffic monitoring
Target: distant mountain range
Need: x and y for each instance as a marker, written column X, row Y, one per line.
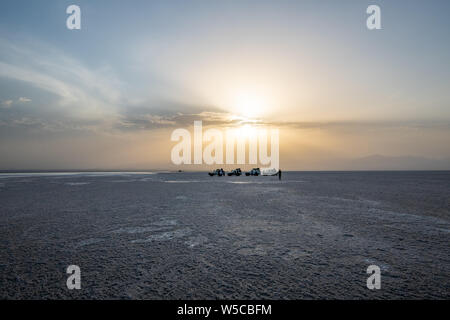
column 380, row 162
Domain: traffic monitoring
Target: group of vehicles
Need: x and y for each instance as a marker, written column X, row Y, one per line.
column 238, row 172
column 221, row 172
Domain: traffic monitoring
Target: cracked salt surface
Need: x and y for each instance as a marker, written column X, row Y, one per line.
column 77, row 183
column 265, row 182
column 160, row 233
column 183, row 181
column 133, row 230
column 196, row 241
column 160, row 225
column 165, row 222
column 88, row 242
column 165, row 236
column 383, row 267
column 262, row 240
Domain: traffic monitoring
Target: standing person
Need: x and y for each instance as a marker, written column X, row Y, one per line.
column 279, row 174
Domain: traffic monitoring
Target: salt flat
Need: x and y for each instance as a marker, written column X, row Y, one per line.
column 191, row 236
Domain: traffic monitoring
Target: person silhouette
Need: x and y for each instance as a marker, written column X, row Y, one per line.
column 279, row 174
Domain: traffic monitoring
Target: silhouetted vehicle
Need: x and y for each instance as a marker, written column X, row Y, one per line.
column 269, row 172
column 253, row 172
column 217, row 172
column 235, row 172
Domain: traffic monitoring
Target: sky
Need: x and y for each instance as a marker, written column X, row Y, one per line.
column 109, row 96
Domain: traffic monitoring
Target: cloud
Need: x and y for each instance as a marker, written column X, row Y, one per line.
column 80, row 92
column 74, row 93
column 148, row 120
column 144, row 122
column 7, row 104
column 24, row 99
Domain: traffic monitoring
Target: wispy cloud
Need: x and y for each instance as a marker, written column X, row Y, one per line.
column 80, row 92
column 24, row 99
column 7, row 104
column 83, row 94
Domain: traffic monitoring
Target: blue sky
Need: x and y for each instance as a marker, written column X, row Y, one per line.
column 138, row 68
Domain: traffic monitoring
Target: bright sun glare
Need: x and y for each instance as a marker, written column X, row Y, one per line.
column 249, row 105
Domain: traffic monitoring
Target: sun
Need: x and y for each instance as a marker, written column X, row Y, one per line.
column 249, row 105
column 244, row 133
